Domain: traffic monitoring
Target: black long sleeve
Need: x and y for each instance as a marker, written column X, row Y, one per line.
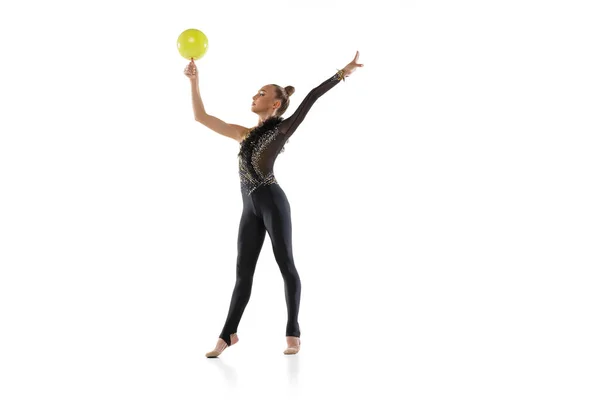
column 289, row 125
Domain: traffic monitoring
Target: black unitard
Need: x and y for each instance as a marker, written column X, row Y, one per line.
column 266, row 209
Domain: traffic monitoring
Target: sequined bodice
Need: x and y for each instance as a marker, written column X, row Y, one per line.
column 260, row 148
column 257, row 156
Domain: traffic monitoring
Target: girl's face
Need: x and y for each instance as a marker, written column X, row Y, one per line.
column 264, row 99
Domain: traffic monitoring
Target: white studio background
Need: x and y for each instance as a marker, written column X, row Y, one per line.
column 444, row 200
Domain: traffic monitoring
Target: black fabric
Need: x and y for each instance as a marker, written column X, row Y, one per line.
column 266, row 210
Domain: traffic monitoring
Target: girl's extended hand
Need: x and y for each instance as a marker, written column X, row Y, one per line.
column 348, row 69
column 190, row 71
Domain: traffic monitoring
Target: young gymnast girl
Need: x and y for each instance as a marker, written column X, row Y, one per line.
column 265, row 206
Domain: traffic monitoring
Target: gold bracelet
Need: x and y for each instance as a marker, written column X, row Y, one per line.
column 340, row 75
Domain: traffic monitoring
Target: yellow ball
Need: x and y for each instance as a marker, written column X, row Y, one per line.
column 192, row 43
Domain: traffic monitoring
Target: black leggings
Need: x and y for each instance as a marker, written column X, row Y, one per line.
column 266, row 209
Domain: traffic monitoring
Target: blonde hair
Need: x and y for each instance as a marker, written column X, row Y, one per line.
column 283, row 94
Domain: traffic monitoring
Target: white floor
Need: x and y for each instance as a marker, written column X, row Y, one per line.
column 145, row 338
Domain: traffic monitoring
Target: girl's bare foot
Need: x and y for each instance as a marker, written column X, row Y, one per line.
column 293, row 345
column 222, row 345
